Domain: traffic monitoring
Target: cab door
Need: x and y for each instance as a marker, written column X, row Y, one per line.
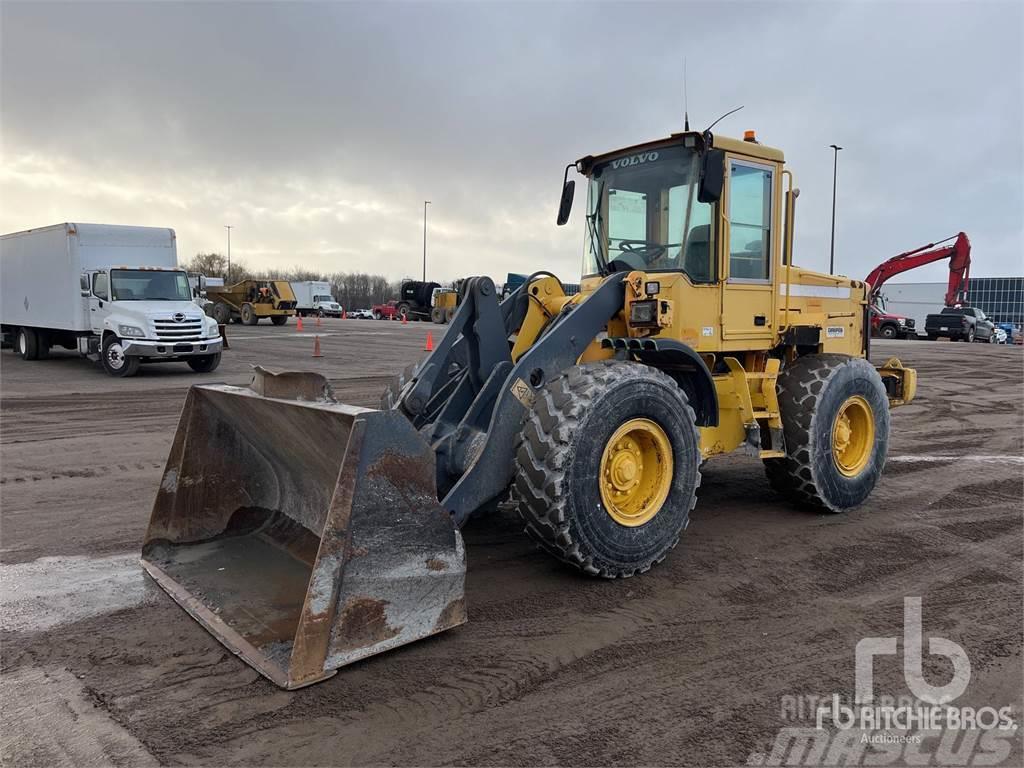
column 749, row 248
column 99, row 299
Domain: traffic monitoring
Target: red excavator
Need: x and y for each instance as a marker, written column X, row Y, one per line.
column 959, row 255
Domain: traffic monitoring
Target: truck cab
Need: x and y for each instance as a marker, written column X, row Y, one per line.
column 139, row 314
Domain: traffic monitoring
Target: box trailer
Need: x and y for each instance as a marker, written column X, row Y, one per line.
column 313, row 297
column 114, row 293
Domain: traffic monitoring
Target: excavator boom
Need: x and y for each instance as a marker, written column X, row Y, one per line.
column 959, row 255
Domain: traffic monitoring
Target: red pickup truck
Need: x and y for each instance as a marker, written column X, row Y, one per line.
column 387, row 311
column 891, row 326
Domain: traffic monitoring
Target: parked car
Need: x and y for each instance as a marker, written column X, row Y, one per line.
column 890, row 326
column 1001, row 336
column 960, row 324
column 361, row 314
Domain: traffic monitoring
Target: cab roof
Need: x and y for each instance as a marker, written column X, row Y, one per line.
column 737, row 146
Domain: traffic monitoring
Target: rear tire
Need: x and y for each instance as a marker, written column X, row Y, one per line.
column 403, row 310
column 115, row 362
column 204, row 363
column 248, row 314
column 561, row 467
column 377, row 316
column 279, row 319
column 814, row 393
column 969, row 336
column 26, row 344
column 222, row 314
column 437, row 315
column 449, row 314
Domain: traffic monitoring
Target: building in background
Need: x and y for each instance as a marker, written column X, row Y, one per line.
column 1001, row 298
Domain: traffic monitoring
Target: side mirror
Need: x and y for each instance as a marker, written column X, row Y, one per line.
column 568, row 192
column 202, row 283
column 712, row 176
column 565, row 206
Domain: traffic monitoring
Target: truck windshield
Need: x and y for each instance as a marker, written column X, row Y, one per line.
column 149, row 285
column 643, row 213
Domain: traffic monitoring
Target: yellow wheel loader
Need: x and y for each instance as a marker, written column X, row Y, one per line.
column 693, row 336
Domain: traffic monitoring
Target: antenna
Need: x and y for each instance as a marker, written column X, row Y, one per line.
column 722, row 118
column 686, row 110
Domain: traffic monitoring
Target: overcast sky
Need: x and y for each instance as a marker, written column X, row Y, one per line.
column 317, row 130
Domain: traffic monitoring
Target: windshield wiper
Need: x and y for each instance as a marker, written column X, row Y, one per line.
column 594, row 226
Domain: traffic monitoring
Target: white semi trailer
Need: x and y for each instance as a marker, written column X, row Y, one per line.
column 114, row 293
column 313, row 297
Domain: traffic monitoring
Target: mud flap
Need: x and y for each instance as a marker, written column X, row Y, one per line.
column 303, row 533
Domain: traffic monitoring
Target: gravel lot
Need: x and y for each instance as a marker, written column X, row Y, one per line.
column 693, row 663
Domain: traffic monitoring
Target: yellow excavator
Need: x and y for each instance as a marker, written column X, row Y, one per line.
column 693, row 335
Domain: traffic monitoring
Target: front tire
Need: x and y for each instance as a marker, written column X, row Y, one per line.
column 279, row 319
column 607, row 467
column 115, row 361
column 887, row 332
column 204, row 363
column 835, row 418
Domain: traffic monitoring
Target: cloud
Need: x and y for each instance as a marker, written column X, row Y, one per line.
column 317, row 130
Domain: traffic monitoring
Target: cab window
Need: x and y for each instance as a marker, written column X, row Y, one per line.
column 99, row 285
column 750, row 200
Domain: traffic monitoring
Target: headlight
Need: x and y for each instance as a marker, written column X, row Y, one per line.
column 643, row 312
column 130, row 330
column 902, row 321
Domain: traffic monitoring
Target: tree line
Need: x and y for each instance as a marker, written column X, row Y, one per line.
column 353, row 290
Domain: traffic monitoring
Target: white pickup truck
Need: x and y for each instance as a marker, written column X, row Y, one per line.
column 114, row 293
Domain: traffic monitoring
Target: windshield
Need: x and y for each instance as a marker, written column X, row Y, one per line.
column 327, row 299
column 149, row 285
column 643, row 213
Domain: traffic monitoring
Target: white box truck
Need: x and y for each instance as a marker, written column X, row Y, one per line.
column 114, row 293
column 313, row 297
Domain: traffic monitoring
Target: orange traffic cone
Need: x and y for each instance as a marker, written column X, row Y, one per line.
column 316, row 347
column 429, row 346
column 344, row 314
column 318, row 321
column 298, row 322
column 404, row 319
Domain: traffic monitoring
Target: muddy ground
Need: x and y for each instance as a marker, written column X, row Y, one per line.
column 694, row 663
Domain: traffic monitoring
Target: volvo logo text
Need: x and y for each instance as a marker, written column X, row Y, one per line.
column 643, row 157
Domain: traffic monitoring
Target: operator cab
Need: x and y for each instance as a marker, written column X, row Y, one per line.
column 654, row 207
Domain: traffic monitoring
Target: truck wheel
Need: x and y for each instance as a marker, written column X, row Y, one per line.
column 449, row 314
column 26, row 344
column 377, row 315
column 607, row 467
column 969, row 336
column 835, row 418
column 403, row 310
column 222, row 314
column 278, row 319
column 115, row 361
column 204, row 363
column 888, row 332
column 437, row 315
column 248, row 314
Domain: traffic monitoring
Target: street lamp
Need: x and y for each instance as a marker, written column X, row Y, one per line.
column 835, row 167
column 425, row 204
column 228, row 275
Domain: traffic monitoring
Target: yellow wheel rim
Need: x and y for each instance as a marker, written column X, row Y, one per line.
column 636, row 472
column 853, row 436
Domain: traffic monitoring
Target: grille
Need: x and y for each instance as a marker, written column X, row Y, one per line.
column 191, row 329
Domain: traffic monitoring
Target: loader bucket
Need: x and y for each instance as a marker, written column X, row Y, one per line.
column 303, row 533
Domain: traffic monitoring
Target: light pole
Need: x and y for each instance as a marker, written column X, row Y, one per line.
column 425, row 204
column 228, row 275
column 835, row 168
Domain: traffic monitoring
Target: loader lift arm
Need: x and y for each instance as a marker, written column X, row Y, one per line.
column 959, row 255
